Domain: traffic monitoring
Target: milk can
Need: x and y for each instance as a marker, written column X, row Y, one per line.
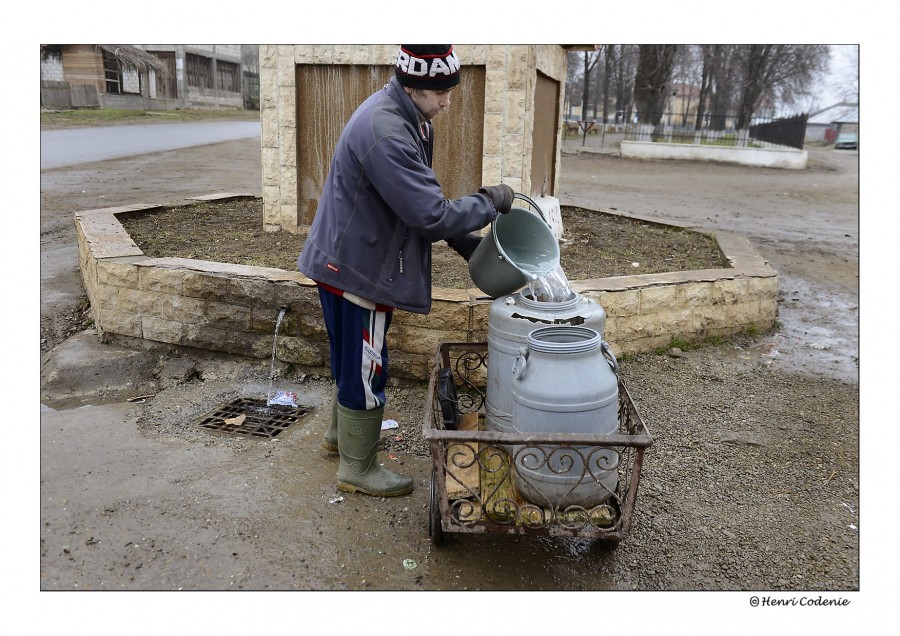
column 565, row 381
column 511, row 319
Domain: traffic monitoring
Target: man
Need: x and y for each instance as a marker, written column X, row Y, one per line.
column 369, row 247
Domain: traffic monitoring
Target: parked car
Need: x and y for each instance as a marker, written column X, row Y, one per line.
column 847, row 140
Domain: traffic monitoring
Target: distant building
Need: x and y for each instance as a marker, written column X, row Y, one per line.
column 143, row 76
column 824, row 125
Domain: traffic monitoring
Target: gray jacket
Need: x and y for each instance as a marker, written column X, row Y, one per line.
column 382, row 207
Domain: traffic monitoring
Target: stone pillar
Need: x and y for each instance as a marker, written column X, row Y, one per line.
column 181, row 82
column 216, row 87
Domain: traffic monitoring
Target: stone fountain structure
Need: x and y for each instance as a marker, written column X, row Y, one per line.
column 504, row 126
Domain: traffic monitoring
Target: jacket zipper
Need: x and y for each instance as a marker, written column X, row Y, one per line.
column 400, row 254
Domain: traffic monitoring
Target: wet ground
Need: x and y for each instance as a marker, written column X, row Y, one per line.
column 805, row 223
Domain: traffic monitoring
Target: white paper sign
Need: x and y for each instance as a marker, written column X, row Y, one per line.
column 552, row 213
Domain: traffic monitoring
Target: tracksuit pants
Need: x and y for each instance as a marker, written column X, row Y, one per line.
column 359, row 355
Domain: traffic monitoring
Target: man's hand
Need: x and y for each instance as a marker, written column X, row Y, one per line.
column 500, row 195
column 465, row 245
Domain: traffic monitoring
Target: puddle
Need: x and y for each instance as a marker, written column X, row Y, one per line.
column 819, row 331
column 68, row 404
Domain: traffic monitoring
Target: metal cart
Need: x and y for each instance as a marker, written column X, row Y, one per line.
column 475, row 473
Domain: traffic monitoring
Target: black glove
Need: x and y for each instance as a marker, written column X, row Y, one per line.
column 465, row 245
column 501, row 196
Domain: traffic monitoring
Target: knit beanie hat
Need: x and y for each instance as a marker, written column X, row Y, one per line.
column 431, row 66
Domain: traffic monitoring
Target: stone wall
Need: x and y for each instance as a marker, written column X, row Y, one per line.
column 214, row 98
column 233, row 308
column 52, row 70
column 787, row 158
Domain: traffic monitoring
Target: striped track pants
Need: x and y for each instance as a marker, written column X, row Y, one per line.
column 359, row 355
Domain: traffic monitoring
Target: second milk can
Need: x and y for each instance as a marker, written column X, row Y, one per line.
column 512, row 318
column 565, row 382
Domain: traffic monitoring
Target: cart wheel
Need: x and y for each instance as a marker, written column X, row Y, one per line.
column 435, row 531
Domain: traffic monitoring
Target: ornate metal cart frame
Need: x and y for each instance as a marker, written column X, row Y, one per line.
column 475, row 473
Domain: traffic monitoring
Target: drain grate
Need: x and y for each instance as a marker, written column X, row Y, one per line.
column 252, row 417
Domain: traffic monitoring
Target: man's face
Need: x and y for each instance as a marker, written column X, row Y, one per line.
column 430, row 102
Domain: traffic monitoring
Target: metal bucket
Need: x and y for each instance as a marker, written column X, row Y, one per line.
column 519, row 244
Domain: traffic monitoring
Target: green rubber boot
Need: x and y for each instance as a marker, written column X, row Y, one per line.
column 359, row 471
column 330, row 439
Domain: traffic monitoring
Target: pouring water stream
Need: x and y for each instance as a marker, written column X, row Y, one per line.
column 278, row 320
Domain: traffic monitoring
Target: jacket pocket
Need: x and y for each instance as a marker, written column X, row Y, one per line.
column 398, row 265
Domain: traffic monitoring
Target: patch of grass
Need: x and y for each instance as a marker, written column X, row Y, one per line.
column 83, row 319
column 107, row 116
column 749, row 333
column 677, row 342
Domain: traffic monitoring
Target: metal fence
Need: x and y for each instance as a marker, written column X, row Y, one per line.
column 787, row 131
column 721, row 130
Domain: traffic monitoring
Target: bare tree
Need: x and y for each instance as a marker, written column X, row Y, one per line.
column 716, row 84
column 725, row 80
column 853, row 89
column 250, row 57
column 598, row 74
column 686, row 77
column 705, row 82
column 778, row 72
column 590, row 60
column 626, row 65
column 573, row 81
column 848, row 73
column 732, row 78
column 652, row 79
column 607, row 76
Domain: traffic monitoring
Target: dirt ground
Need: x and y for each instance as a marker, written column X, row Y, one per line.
column 752, row 482
column 805, row 223
column 595, row 245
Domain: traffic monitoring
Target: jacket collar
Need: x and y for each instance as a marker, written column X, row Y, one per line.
column 396, row 92
column 413, row 115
